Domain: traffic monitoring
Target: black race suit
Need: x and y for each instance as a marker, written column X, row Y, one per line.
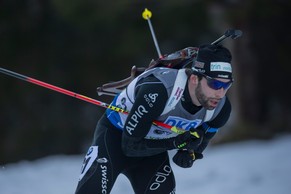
column 147, row 173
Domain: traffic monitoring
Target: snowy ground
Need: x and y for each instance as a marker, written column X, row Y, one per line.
column 251, row 167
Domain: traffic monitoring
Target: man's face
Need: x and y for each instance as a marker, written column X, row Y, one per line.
column 208, row 97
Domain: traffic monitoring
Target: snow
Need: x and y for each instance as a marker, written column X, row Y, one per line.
column 249, row 167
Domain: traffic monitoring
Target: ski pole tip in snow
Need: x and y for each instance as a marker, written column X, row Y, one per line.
column 146, row 14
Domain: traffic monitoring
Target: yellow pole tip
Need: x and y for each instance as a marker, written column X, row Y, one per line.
column 146, row 14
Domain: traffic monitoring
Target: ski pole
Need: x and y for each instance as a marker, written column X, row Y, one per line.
column 232, row 33
column 60, row 90
column 147, row 14
column 84, row 98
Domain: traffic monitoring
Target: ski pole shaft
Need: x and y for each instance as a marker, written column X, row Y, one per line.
column 60, row 90
column 147, row 15
column 82, row 97
column 154, row 38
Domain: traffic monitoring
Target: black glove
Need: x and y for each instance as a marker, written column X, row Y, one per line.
column 197, row 136
column 185, row 159
column 183, row 141
column 189, row 140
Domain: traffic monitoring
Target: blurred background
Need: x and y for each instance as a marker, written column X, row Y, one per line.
column 81, row 44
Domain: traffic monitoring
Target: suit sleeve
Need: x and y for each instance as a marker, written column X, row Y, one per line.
column 151, row 97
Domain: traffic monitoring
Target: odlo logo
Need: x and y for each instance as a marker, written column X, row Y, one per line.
column 104, row 179
column 151, row 98
column 161, row 177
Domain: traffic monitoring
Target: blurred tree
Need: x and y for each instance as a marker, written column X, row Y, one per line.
column 263, row 108
column 81, row 44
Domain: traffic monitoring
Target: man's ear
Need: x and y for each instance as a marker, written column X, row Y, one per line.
column 194, row 79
